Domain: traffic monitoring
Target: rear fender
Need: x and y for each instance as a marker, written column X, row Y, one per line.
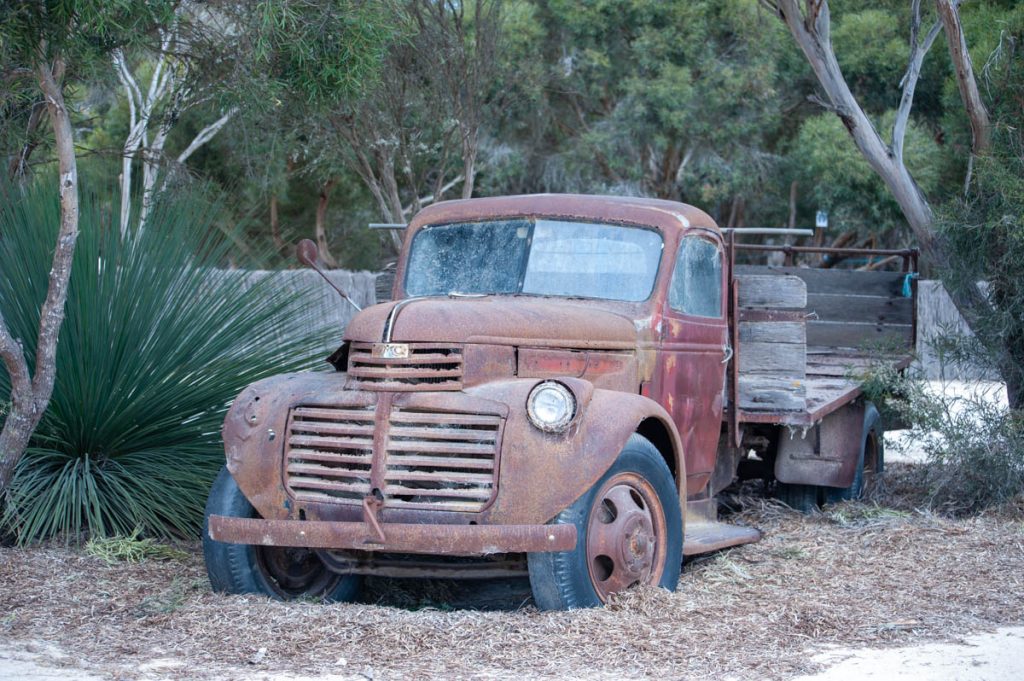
column 541, row 474
column 825, row 454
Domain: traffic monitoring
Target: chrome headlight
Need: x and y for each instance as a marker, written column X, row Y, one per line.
column 551, row 406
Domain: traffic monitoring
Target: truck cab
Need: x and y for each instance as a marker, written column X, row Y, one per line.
column 547, row 394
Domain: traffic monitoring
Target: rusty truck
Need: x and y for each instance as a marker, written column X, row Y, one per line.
column 560, row 388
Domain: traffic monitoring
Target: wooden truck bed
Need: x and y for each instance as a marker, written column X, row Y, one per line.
column 803, row 336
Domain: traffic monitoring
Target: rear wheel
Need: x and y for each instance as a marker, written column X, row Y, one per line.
column 803, row 498
column 871, row 461
column 283, row 573
column 629, row 532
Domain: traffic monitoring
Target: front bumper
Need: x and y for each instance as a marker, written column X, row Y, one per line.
column 446, row 540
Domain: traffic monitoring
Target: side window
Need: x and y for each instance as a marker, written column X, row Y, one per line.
column 697, row 280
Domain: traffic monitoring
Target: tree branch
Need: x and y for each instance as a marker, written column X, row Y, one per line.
column 429, row 198
column 19, row 163
column 949, row 15
column 206, row 134
column 29, row 403
column 910, row 77
column 812, row 35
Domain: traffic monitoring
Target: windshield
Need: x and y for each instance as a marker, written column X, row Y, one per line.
column 540, row 257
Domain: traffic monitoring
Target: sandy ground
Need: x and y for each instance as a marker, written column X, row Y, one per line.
column 994, row 656
column 813, row 594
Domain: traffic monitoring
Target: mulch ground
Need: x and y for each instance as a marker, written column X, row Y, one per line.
column 858, row 574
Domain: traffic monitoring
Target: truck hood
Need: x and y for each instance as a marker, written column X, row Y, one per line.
column 499, row 320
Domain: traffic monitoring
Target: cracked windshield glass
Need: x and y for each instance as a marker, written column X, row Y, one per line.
column 536, row 257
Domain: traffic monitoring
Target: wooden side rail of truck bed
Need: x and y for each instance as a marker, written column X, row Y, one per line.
column 801, row 335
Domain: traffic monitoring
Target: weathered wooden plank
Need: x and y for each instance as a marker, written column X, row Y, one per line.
column 767, row 393
column 769, row 290
column 825, row 392
column 832, row 307
column 772, row 332
column 871, row 337
column 836, row 281
column 785, row 359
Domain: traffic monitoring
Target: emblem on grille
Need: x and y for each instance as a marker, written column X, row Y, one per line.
column 391, row 350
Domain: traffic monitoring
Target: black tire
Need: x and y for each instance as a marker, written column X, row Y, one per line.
column 278, row 572
column 871, row 460
column 582, row 578
column 802, row 498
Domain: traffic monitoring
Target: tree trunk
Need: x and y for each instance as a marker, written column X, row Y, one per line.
column 788, row 260
column 962, row 67
column 469, row 152
column 1014, row 388
column 29, row 398
column 321, row 224
column 812, row 34
column 275, row 225
column 18, row 167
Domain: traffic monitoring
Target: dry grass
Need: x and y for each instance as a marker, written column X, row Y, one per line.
column 857, row 574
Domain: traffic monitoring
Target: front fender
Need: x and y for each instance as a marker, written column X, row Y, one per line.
column 256, row 425
column 541, row 474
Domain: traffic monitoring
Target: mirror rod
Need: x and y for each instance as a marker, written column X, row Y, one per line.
column 308, row 255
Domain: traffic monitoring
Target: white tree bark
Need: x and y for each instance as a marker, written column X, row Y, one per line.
column 810, row 28
column 140, row 110
column 166, row 92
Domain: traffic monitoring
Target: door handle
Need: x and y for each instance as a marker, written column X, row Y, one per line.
column 727, row 349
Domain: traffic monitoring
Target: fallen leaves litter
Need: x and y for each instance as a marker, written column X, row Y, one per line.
column 854, row 575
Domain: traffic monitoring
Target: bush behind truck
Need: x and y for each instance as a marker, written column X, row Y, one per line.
column 551, row 393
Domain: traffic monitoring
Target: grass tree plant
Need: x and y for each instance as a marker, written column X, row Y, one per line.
column 157, row 341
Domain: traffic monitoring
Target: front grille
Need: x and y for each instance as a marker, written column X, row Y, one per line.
column 428, row 366
column 442, row 461
column 329, row 452
column 431, row 460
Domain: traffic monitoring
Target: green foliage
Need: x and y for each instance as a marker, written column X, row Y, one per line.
column 82, row 31
column 985, row 227
column 974, row 444
column 672, row 99
column 320, row 53
column 838, row 179
column 157, row 341
column 871, row 45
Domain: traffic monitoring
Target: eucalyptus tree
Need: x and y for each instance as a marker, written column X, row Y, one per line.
column 189, row 59
column 415, row 135
column 675, row 100
column 49, row 43
column 307, row 62
column 810, row 25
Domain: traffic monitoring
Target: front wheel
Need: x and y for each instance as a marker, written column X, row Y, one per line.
column 629, row 531
column 283, row 573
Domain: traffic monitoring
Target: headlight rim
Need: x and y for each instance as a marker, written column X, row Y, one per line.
column 562, row 424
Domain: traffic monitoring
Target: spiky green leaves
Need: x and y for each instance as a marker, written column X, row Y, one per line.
column 157, row 341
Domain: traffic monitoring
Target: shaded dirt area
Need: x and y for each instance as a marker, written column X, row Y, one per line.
column 856, row 575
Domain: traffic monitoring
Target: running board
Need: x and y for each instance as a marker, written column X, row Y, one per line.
column 704, row 537
column 704, row 534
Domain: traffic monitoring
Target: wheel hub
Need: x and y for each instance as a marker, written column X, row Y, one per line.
column 626, row 521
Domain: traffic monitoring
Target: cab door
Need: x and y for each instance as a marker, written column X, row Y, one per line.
column 694, row 352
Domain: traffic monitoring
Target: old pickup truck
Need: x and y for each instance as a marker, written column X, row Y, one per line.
column 560, row 388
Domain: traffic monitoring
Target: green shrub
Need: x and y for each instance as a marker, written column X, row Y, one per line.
column 156, row 343
column 973, row 443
